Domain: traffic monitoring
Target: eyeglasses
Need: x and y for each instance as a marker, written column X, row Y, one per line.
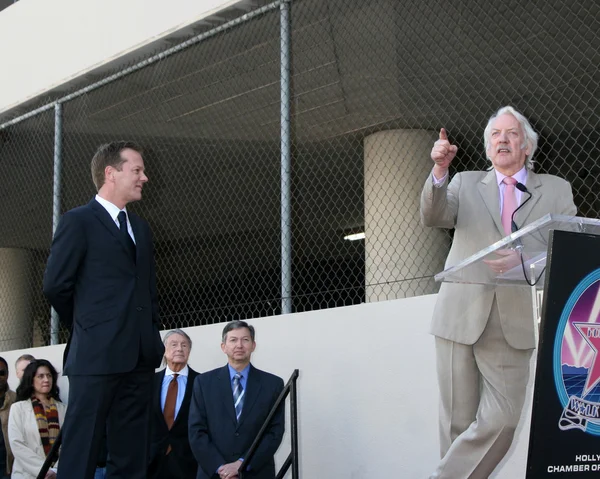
column 2, row 373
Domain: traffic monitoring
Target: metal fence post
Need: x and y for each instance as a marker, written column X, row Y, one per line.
column 54, row 320
column 286, row 203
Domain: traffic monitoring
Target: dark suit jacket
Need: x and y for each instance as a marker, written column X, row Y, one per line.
column 216, row 437
column 107, row 299
column 161, row 437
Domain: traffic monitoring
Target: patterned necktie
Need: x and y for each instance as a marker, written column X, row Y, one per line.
column 125, row 234
column 171, row 402
column 238, row 395
column 509, row 203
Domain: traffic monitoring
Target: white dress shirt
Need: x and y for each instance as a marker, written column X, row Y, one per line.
column 114, row 211
column 181, row 385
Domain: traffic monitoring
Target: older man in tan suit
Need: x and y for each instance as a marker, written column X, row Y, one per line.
column 484, row 335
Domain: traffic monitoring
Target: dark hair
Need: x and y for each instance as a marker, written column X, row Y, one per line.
column 25, row 390
column 237, row 325
column 109, row 154
column 2, row 360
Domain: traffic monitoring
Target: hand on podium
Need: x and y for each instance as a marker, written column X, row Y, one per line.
column 509, row 258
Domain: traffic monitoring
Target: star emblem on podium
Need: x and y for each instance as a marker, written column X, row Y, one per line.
column 590, row 332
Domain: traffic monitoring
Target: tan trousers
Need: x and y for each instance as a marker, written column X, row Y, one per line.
column 482, row 389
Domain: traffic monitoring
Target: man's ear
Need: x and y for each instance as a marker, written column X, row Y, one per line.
column 109, row 174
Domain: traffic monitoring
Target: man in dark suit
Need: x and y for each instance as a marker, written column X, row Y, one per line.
column 100, row 279
column 229, row 406
column 170, row 453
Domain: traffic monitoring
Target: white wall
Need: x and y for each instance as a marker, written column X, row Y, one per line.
column 46, row 43
column 367, row 387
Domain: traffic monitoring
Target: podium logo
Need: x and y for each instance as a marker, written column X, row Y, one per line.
column 576, row 359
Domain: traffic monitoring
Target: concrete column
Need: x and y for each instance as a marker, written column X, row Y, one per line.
column 16, row 312
column 401, row 255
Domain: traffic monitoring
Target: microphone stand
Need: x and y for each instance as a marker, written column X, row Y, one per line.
column 514, row 228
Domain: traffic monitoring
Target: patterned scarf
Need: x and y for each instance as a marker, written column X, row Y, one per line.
column 47, row 421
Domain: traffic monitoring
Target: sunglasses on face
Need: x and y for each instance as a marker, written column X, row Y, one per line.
column 2, row 373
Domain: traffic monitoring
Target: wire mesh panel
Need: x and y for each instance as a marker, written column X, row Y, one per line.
column 371, row 85
column 26, row 159
column 208, row 118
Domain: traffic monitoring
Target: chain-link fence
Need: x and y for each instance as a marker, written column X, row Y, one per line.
column 370, row 85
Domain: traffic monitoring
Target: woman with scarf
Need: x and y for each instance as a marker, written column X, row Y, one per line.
column 35, row 420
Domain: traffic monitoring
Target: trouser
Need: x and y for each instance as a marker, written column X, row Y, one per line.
column 482, row 390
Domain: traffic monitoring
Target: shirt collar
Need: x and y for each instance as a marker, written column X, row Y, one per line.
column 520, row 176
column 183, row 372
column 112, row 209
column 244, row 372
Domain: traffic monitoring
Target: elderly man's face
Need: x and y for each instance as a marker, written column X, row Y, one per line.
column 506, row 148
column 177, row 350
column 21, row 365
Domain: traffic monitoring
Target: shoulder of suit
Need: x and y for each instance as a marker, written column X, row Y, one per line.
column 548, row 179
column 266, row 375
column 211, row 374
column 21, row 406
column 78, row 212
column 472, row 175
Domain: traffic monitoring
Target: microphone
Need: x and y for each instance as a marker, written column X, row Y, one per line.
column 522, row 188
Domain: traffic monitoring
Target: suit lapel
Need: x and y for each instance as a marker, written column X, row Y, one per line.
column 157, row 396
column 251, row 394
column 185, row 404
column 490, row 194
column 226, row 392
column 105, row 218
column 533, row 186
column 138, row 233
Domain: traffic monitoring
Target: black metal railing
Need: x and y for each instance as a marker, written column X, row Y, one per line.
column 292, row 459
column 51, row 457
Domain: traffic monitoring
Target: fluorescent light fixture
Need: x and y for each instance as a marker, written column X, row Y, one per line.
column 355, row 236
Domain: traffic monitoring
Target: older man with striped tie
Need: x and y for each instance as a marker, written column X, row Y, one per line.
column 229, row 406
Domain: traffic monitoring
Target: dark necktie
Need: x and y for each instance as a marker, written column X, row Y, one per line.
column 171, row 402
column 238, row 395
column 125, row 234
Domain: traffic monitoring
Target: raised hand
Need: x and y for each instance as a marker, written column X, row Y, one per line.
column 442, row 154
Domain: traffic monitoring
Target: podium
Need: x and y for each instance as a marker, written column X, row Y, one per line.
column 558, row 258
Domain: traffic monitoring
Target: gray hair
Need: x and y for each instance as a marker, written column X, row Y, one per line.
column 237, row 325
column 181, row 332
column 177, row 331
column 531, row 137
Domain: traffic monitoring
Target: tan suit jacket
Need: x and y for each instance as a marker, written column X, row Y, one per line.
column 471, row 205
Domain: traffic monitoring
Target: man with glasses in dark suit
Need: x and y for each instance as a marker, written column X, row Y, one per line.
column 229, row 406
